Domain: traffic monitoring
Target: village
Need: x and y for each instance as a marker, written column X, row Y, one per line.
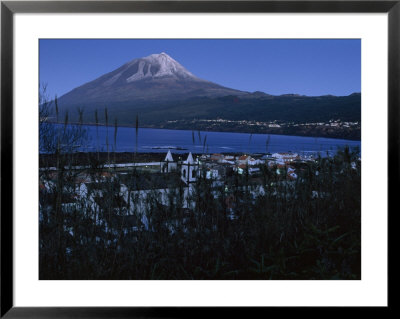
column 131, row 185
column 337, row 128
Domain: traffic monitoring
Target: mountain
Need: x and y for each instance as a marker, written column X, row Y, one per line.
column 155, row 77
column 164, row 94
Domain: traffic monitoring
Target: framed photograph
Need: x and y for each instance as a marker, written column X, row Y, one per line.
column 163, row 155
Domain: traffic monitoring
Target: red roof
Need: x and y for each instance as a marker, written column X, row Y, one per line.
column 105, row 174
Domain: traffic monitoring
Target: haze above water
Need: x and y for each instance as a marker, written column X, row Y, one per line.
column 181, row 141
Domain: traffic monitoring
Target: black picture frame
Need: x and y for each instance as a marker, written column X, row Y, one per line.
column 9, row 8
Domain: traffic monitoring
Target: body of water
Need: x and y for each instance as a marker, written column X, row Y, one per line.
column 182, row 141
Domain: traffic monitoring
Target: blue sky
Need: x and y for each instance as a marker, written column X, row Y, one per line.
column 308, row 67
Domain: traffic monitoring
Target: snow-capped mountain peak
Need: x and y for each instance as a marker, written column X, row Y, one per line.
column 154, row 77
column 157, row 66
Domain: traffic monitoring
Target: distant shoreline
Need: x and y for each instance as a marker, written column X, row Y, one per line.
column 271, row 132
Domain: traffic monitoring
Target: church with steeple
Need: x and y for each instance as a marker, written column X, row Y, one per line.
column 189, row 169
column 168, row 165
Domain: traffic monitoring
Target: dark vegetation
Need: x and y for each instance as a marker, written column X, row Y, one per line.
column 303, row 229
column 308, row 228
column 265, row 108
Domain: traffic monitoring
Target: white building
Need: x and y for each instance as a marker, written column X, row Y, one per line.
column 285, row 157
column 189, row 169
column 168, row 165
column 212, row 173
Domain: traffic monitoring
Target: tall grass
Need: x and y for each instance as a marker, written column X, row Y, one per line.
column 96, row 118
column 244, row 228
column 136, row 133
column 107, row 144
